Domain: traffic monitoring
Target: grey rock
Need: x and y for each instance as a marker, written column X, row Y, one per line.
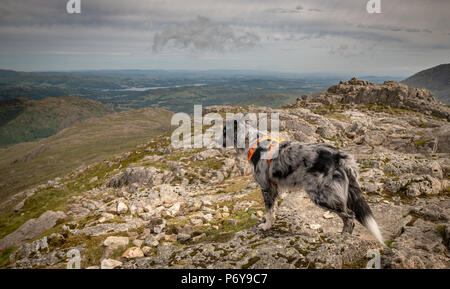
column 138, row 175
column 183, row 238
column 32, row 228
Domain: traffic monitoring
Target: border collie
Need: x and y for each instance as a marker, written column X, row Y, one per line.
column 329, row 176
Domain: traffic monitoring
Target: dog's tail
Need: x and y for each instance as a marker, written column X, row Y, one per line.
column 356, row 201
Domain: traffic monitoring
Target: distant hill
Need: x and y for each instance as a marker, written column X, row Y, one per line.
column 23, row 119
column 173, row 89
column 30, row 163
column 435, row 79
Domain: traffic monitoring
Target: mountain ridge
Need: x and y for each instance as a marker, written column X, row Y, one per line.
column 435, row 79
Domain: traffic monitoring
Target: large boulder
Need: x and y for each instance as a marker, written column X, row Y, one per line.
column 139, row 175
column 31, row 229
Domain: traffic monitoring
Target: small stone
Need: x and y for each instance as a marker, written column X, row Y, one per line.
column 225, row 209
column 110, row 264
column 156, row 225
column 148, row 208
column 120, row 241
column 196, row 222
column 183, row 238
column 158, row 229
column 170, row 238
column 173, row 210
column 328, row 215
column 197, row 238
column 232, row 222
column 187, row 229
column 206, row 203
column 122, row 208
column 146, row 250
column 259, row 213
column 151, row 241
column 133, row 252
column 138, row 243
column 19, row 206
column 105, row 217
column 208, row 217
column 225, row 215
column 315, row 226
column 133, row 209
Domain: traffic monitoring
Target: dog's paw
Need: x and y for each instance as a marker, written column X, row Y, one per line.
column 264, row 226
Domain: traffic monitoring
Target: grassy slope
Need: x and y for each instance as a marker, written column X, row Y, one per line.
column 26, row 164
column 28, row 120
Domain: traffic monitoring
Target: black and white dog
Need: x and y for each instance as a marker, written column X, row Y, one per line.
column 329, row 176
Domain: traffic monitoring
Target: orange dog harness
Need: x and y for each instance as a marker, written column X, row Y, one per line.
column 253, row 147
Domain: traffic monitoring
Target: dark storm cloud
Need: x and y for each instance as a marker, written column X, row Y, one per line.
column 202, row 34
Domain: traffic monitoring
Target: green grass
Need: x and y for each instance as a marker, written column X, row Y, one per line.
column 389, row 243
column 421, row 142
column 4, row 255
column 441, row 230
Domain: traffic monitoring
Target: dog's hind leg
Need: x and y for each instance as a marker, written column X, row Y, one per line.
column 332, row 202
column 347, row 219
column 270, row 198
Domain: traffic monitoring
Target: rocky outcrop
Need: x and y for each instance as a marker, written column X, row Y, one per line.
column 390, row 93
column 136, row 175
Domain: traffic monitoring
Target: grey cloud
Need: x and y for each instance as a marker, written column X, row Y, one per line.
column 297, row 9
column 120, row 27
column 202, row 34
column 393, row 28
column 284, row 10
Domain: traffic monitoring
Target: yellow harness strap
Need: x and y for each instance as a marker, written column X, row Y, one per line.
column 253, row 147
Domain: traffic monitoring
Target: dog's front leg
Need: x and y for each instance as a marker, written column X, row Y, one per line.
column 270, row 197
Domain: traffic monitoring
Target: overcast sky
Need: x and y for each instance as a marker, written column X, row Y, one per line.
column 291, row 36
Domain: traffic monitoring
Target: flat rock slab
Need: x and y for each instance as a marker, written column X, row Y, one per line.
column 31, row 229
column 102, row 229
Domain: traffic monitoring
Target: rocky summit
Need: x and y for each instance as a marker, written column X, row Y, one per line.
column 161, row 207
